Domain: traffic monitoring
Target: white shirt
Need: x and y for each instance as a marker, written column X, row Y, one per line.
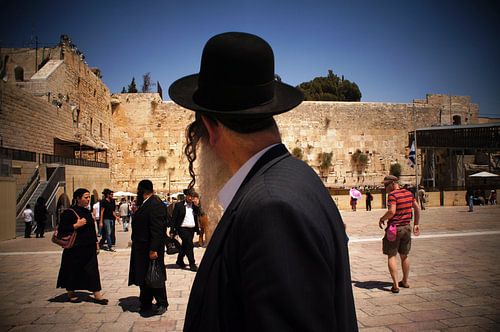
column 97, row 210
column 28, row 215
column 226, row 194
column 189, row 217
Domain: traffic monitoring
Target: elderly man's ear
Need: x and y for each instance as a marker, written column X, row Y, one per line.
column 213, row 129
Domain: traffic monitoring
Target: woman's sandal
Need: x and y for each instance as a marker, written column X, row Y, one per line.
column 394, row 290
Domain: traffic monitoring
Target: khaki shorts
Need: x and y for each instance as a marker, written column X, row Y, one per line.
column 402, row 244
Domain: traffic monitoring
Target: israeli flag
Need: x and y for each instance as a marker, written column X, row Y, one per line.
column 412, row 155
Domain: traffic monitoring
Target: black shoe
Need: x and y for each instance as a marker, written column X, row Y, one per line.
column 193, row 267
column 180, row 264
column 160, row 310
column 146, row 312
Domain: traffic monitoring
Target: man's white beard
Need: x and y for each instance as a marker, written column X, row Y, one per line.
column 212, row 175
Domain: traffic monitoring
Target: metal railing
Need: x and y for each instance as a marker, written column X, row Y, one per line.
column 52, row 159
column 15, row 154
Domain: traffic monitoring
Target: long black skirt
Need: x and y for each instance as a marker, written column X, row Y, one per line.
column 79, row 269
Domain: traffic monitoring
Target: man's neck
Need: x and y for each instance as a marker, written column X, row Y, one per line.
column 146, row 196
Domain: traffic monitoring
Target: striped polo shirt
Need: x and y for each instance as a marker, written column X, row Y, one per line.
column 403, row 199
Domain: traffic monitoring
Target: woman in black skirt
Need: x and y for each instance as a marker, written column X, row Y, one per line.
column 79, row 267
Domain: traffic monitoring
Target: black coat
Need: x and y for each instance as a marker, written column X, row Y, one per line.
column 278, row 259
column 148, row 234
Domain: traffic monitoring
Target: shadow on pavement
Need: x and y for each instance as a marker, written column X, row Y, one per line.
column 64, row 297
column 372, row 284
column 131, row 303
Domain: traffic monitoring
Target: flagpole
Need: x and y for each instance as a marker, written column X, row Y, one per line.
column 415, row 142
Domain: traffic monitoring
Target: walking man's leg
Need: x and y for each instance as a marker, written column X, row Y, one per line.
column 392, row 263
column 405, row 265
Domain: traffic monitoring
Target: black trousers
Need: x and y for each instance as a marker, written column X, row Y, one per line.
column 27, row 229
column 40, row 228
column 147, row 294
column 186, row 235
column 368, row 205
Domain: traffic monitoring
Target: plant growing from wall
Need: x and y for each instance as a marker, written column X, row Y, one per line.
column 143, row 145
column 297, row 153
column 395, row 169
column 325, row 162
column 359, row 161
column 161, row 160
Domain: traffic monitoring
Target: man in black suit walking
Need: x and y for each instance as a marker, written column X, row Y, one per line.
column 278, row 259
column 148, row 243
column 185, row 222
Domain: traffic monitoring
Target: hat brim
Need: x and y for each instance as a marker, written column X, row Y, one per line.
column 286, row 97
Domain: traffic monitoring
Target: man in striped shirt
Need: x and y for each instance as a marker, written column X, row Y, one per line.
column 401, row 205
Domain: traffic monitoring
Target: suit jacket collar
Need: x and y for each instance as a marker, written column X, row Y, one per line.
column 270, row 158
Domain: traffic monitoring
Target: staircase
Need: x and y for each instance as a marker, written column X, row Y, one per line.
column 32, row 201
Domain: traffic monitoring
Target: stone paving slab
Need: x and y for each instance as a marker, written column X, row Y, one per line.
column 455, row 280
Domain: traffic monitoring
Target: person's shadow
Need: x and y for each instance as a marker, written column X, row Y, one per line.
column 373, row 284
column 82, row 296
column 131, row 303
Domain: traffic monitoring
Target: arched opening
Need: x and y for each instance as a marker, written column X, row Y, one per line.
column 457, row 120
column 19, row 74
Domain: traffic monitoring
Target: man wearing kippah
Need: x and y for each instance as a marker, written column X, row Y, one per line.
column 399, row 215
column 278, row 259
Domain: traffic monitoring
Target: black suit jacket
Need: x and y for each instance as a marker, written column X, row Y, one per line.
column 148, row 234
column 180, row 212
column 278, row 259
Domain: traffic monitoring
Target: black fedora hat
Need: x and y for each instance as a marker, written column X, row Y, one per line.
column 236, row 79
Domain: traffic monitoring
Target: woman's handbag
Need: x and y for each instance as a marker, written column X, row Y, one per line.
column 154, row 276
column 172, row 246
column 67, row 241
column 392, row 232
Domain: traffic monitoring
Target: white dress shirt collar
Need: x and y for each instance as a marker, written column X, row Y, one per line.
column 226, row 194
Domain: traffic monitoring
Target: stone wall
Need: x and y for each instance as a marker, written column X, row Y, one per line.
column 30, row 123
column 64, row 82
column 149, row 137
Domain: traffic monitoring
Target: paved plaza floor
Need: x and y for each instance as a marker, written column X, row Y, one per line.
column 455, row 280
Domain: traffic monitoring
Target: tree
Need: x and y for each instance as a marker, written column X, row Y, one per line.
column 123, row 90
column 146, row 83
column 330, row 88
column 132, row 88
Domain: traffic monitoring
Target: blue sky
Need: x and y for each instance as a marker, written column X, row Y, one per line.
column 396, row 51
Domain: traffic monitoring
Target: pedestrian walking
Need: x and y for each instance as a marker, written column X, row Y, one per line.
column 148, row 243
column 79, row 266
column 40, row 217
column 397, row 238
column 28, row 217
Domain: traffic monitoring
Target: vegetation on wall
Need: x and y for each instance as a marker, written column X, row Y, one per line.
column 330, row 88
column 325, row 162
column 297, row 153
column 359, row 160
column 395, row 170
column 143, row 145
